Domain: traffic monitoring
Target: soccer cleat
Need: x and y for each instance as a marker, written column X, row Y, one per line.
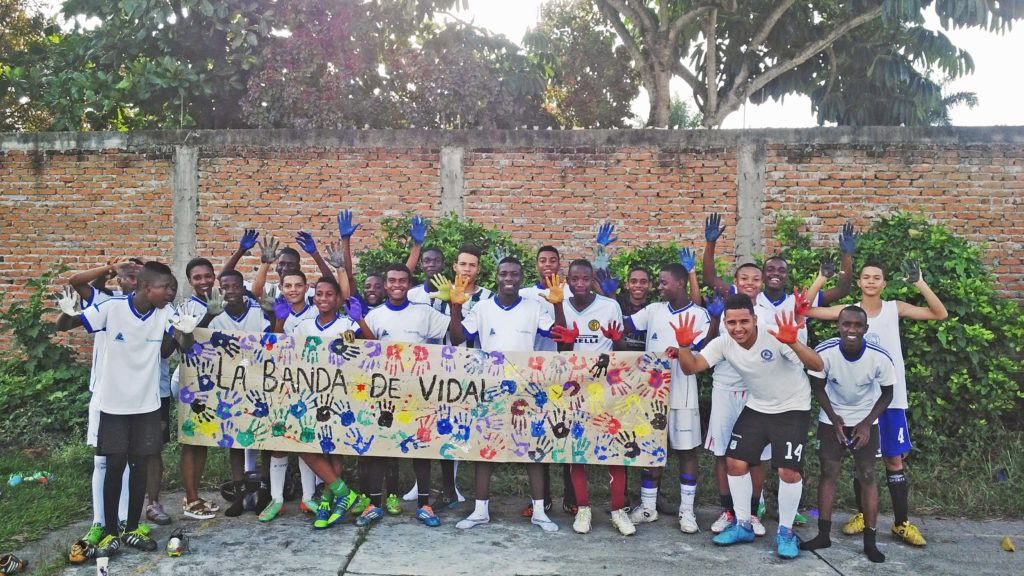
column 620, row 519
column 196, row 510
column 909, row 533
column 581, row 525
column 760, row 510
column 369, row 515
column 528, row 511
column 177, row 544
column 472, row 521
column 799, row 519
column 546, row 524
column 155, row 513
column 392, row 506
column 362, row 501
column 308, row 506
column 723, row 522
column 736, row 533
column 81, row 551
column 94, row 535
column 642, row 515
column 755, row 523
column 341, row 507
column 108, row 546
column 688, row 522
column 271, row 511
column 11, row 564
column 786, row 545
column 140, row 539
column 855, row 525
column 426, row 515
column 323, row 513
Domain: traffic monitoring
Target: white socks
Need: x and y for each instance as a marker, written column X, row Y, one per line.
column 278, row 472
column 687, row 494
column 742, row 488
column 538, row 511
column 649, row 498
column 99, row 473
column 789, row 501
column 309, row 479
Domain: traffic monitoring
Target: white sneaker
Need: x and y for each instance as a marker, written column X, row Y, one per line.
column 472, row 522
column 412, row 494
column 621, row 521
column 642, row 515
column 688, row 522
column 546, row 524
column 581, row 525
column 755, row 523
column 723, row 522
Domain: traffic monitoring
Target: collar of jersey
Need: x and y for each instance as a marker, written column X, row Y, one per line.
column 238, row 319
column 303, row 311
column 578, row 311
column 683, row 309
column 541, row 286
column 316, row 322
column 396, row 308
column 195, row 298
column 775, row 303
column 131, row 306
column 507, row 308
column 860, row 354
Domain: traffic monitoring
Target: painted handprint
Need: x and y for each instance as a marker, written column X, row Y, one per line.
column 448, row 358
column 601, row 366
column 311, row 349
column 323, row 407
column 537, row 428
column 227, row 439
column 540, row 396
column 493, row 444
column 541, row 448
column 386, row 416
column 497, row 366
column 344, row 412
column 226, row 403
column 326, row 440
column 444, row 420
column 477, row 360
column 394, row 363
column 580, row 449
column 618, row 386
column 307, row 429
column 226, row 342
column 356, row 441
column 425, row 432
column 607, row 423
column 299, row 408
column 372, row 358
column 340, row 351
column 462, row 423
column 260, row 408
column 628, row 442
column 409, row 443
column 279, row 425
column 420, row 360
column 659, row 417
column 655, row 449
column 254, row 433
column 556, row 419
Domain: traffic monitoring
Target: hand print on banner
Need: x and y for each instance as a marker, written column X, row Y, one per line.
column 337, row 395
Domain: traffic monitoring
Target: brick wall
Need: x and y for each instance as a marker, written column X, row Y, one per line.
column 85, row 198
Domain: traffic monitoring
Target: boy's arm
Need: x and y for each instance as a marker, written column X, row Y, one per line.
column 691, row 363
column 308, row 245
column 935, row 310
column 83, row 282
column 247, row 242
column 808, row 357
column 823, row 275
column 346, row 229
column 847, row 245
column 455, row 329
column 268, row 255
column 825, row 312
column 713, row 230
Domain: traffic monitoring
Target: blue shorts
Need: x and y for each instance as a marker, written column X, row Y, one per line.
column 893, row 432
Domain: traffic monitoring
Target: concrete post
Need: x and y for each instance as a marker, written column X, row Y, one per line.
column 453, row 198
column 750, row 180
column 184, row 211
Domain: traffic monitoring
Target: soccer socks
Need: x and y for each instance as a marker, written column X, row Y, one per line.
column 308, row 479
column 278, row 472
column 136, row 491
column 578, row 473
column 789, row 501
column 421, row 467
column 112, row 488
column 616, row 486
column 338, row 488
column 822, row 540
column 538, row 511
column 741, row 488
column 99, row 474
column 870, row 548
column 250, row 459
column 900, row 495
column 648, row 490
column 687, row 492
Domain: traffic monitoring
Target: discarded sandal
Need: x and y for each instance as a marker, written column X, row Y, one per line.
column 11, row 564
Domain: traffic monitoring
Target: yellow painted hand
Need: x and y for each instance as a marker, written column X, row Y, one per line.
column 556, row 289
column 458, row 290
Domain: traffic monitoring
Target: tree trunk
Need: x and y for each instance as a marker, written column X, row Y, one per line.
column 660, row 97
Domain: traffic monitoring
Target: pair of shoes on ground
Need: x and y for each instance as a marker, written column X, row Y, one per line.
column 726, row 519
column 620, row 519
column 906, row 531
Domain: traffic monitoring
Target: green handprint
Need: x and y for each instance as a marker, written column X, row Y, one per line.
column 307, row 434
column 311, row 351
column 251, row 434
column 188, row 427
column 579, row 450
column 280, row 425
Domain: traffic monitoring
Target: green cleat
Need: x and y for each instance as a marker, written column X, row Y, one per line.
column 799, row 520
column 342, row 505
column 362, row 501
column 323, row 512
column 391, row 505
column 271, row 511
column 94, row 535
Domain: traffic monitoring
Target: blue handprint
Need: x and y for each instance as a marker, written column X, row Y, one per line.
column 604, row 234
column 540, row 396
column 327, row 440
column 299, row 408
column 372, row 356
column 409, row 443
column 344, row 411
column 577, row 429
column 206, row 383
column 259, row 403
column 357, row 442
column 345, row 227
column 444, row 421
column 227, row 439
column 418, row 230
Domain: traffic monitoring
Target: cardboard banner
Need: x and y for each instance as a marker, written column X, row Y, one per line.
column 345, row 396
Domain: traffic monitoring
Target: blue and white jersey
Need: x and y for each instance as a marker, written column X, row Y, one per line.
column 513, row 328
column 853, row 384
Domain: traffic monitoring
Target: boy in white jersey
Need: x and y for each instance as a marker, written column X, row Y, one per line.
column 683, row 420
column 883, row 320
column 286, row 259
column 400, row 320
column 855, row 386
column 373, row 295
column 139, row 330
column 596, row 326
column 508, row 322
column 772, row 363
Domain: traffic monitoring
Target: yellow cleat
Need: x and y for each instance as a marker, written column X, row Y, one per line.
column 855, row 525
column 909, row 533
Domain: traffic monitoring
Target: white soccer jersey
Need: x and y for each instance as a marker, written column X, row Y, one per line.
column 884, row 331
column 193, row 307
column 657, row 319
column 419, row 295
column 766, row 309
column 536, row 293
column 129, row 380
column 99, row 343
column 410, row 323
column 251, row 320
column 601, row 312
column 333, row 329
column 294, row 318
column 853, row 385
column 511, row 329
column 725, row 377
column 774, row 375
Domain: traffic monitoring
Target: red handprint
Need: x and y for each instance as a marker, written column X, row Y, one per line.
column 421, row 362
column 607, row 423
column 394, row 359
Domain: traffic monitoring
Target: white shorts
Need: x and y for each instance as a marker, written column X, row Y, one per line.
column 726, row 406
column 92, row 433
column 684, row 429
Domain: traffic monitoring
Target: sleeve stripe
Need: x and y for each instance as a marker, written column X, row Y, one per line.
column 86, row 324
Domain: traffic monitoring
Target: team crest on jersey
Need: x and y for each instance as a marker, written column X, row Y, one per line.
column 119, row 337
column 492, row 332
column 767, row 355
column 593, row 325
column 872, row 338
column 383, row 334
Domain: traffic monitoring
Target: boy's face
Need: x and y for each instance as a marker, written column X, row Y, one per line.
column 510, row 279
column 741, row 326
column 547, row 264
column 581, row 279
column 638, row 284
column 326, row 299
column 160, row 291
column 468, row 266
column 373, row 290
column 776, row 274
column 396, row 283
column 748, row 281
column 431, row 263
column 669, row 287
column 286, row 263
column 201, row 279
column 293, row 288
column 871, row 281
column 233, row 290
column 852, row 328
column 127, row 277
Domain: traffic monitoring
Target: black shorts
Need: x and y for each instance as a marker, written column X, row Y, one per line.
column 829, row 447
column 165, row 418
column 786, row 432
column 129, row 434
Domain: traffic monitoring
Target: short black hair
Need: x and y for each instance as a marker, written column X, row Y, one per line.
column 138, row 261
column 153, row 270
column 746, row 265
column 639, row 269
column 855, row 310
column 195, row 263
column 775, row 257
column 582, row 264
column 231, row 274
column 291, row 251
column 470, row 249
column 397, row 268
column 872, row 264
column 548, row 248
column 295, row 273
column 329, row 280
column 430, row 249
column 511, row 260
column 739, row 302
column 676, row 270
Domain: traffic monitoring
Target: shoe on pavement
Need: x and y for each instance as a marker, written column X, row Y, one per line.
column 392, row 506
column 642, row 515
column 546, row 524
column 426, row 515
column 688, row 522
column 528, row 511
column 323, row 513
column 620, row 519
column 80, row 552
column 108, row 546
column 308, row 506
column 370, row 514
column 472, row 521
column 786, row 545
column 94, row 535
column 855, row 525
column 271, row 511
column 342, row 504
column 139, row 539
column 196, row 510
column 723, row 522
column 581, row 525
column 362, row 501
column 909, row 533
column 155, row 514
column 736, row 533
column 755, row 523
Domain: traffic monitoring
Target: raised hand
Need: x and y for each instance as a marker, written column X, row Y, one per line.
column 911, row 272
column 335, row 255
column 500, row 253
column 269, row 299
column 827, row 268
column 848, row 239
column 305, row 241
column 613, row 331
column 609, row 284
column 444, row 288
column 800, row 305
column 457, row 293
column 68, row 301
column 214, row 301
column 715, row 305
column 345, row 227
column 282, row 309
column 184, row 323
column 604, row 234
column 713, row 227
column 684, row 331
column 354, row 309
column 565, row 335
column 268, row 250
column 248, row 240
column 788, row 328
column 555, row 288
column 418, row 229
column 688, row 258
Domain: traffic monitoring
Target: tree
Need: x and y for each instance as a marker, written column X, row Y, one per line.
column 21, row 25
column 593, row 82
column 730, row 52
column 680, row 116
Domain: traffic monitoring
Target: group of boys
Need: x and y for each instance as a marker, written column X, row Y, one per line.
column 751, row 332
